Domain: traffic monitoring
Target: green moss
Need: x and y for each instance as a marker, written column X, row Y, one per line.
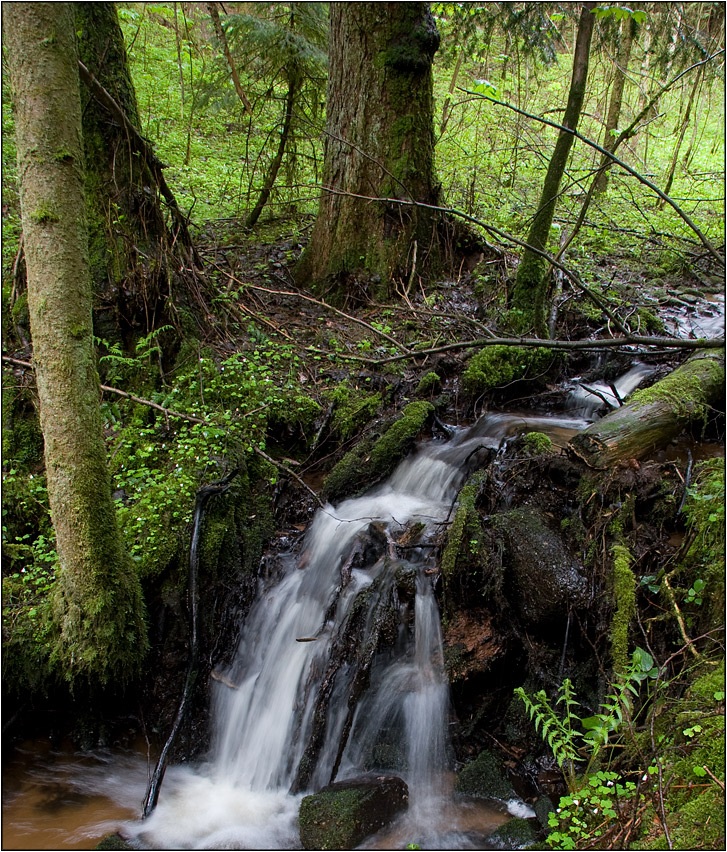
column 682, row 391
column 624, row 598
column 537, row 444
column 650, row 321
column 353, row 408
column 44, row 215
column 465, row 529
column 428, row 384
column 484, row 777
column 497, row 366
column 516, row 833
column 693, row 802
column 371, row 461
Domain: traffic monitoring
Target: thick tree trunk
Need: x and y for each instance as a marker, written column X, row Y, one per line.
column 379, row 144
column 98, row 603
column 528, row 302
column 130, row 246
column 656, row 415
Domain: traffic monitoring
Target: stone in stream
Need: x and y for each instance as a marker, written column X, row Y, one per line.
column 342, row 814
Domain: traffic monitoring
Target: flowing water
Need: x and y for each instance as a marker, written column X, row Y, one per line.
column 296, row 697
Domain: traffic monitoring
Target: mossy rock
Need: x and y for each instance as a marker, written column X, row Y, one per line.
column 497, row 366
column 547, row 579
column 341, row 815
column 485, row 778
column 516, row 833
column 113, row 841
column 428, row 384
column 372, row 461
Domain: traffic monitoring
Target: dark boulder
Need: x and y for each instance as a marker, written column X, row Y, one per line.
column 545, row 579
column 342, row 814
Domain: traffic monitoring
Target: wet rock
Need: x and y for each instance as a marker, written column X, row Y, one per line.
column 113, row 841
column 547, row 580
column 485, row 778
column 342, row 814
column 516, row 833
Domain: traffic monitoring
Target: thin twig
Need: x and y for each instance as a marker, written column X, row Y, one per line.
column 289, row 472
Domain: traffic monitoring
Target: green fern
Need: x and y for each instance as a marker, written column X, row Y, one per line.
column 566, row 742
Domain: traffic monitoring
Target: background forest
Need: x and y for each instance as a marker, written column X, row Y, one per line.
column 215, row 357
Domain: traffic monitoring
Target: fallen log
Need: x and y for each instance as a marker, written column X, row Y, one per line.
column 654, row 416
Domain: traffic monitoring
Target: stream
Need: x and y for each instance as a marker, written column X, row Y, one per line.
column 290, row 713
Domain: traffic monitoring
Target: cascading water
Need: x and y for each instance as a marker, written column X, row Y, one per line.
column 309, row 698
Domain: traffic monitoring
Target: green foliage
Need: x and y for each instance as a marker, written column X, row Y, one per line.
column 585, row 814
column 570, row 745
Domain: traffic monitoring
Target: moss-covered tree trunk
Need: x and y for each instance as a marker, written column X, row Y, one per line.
column 629, row 28
column 528, row 299
column 131, row 248
column 98, row 606
column 379, row 144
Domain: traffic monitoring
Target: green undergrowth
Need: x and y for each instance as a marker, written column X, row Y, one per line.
column 158, row 459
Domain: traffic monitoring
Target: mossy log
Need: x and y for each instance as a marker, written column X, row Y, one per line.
column 656, row 415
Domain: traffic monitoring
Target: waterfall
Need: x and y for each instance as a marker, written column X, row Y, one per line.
column 313, row 695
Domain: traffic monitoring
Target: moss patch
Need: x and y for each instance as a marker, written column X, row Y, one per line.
column 371, row 461
column 484, row 777
column 496, row 366
column 624, row 599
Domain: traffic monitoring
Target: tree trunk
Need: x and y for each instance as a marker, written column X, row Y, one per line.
column 656, row 415
column 130, row 247
column 98, row 606
column 220, row 33
column 629, row 28
column 528, row 302
column 379, row 144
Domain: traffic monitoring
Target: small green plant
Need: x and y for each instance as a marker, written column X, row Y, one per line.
column 570, row 745
column 585, row 815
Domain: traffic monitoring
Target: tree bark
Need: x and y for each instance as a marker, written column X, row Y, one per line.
column 220, row 33
column 290, row 100
column 379, row 143
column 655, row 416
column 98, row 605
column 528, row 301
column 130, row 247
column 629, row 28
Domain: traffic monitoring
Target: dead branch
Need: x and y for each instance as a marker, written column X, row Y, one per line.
column 392, row 340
